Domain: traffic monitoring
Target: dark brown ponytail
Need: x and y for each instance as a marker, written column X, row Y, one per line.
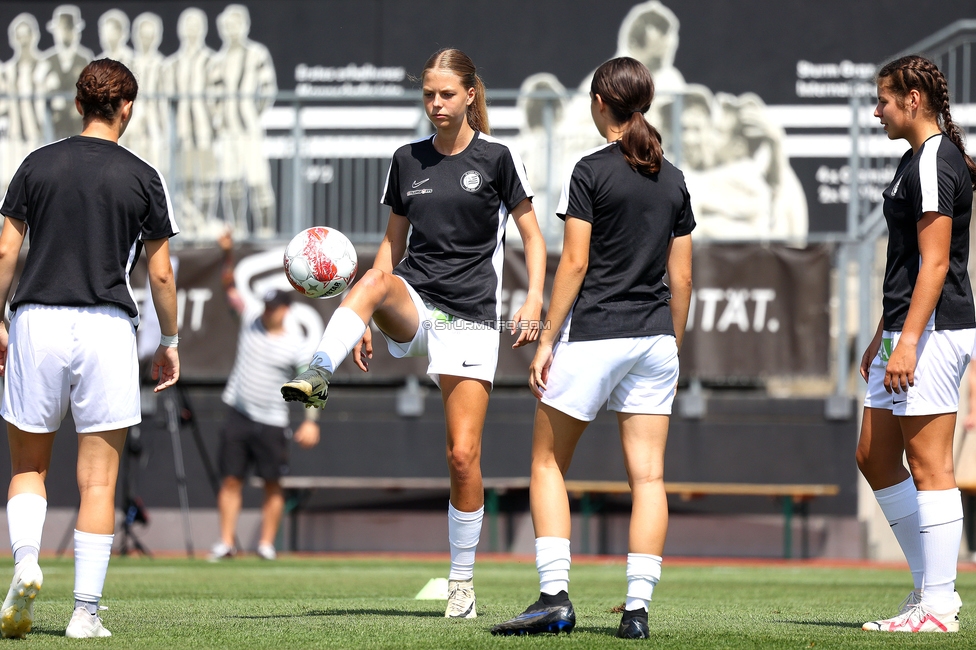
column 461, row 64
column 626, row 87
column 918, row 73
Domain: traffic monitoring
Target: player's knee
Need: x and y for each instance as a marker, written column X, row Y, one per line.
column 232, row 483
column 374, row 286
column 464, row 460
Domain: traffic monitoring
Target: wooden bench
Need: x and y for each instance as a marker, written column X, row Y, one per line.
column 795, row 497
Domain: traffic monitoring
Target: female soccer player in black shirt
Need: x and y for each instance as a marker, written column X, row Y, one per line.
column 619, row 327
column 438, row 293
column 89, row 207
column 923, row 343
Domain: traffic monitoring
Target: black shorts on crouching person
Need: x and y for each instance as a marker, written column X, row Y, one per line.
column 244, row 442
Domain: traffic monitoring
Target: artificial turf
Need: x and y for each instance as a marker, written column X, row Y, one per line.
column 364, row 602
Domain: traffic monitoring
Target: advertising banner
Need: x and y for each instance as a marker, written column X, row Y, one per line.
column 756, row 311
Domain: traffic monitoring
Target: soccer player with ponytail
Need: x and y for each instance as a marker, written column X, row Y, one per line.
column 438, row 293
column 923, row 343
column 613, row 333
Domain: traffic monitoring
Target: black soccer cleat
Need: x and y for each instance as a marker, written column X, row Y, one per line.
column 633, row 625
column 553, row 614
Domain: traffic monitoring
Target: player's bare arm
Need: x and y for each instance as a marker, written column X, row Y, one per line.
column 934, row 237
column 872, row 350
column 534, row 244
column 166, row 360
column 570, row 272
column 679, row 281
column 11, row 241
column 234, row 299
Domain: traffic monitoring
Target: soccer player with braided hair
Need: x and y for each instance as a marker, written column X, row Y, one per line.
column 923, row 343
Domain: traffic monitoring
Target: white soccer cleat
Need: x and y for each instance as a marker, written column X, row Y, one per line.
column 17, row 614
column 460, row 600
column 220, row 551
column 913, row 598
column 267, row 552
column 85, row 626
column 918, row 618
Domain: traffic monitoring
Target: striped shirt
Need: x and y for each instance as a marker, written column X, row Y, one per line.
column 264, row 362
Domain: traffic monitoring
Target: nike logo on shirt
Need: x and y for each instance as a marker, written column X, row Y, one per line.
column 465, row 364
column 417, row 184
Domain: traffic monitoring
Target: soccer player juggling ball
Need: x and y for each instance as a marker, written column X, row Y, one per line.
column 438, row 294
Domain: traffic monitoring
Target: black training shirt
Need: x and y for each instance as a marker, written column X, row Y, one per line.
column 457, row 207
column 88, row 204
column 935, row 179
column 633, row 219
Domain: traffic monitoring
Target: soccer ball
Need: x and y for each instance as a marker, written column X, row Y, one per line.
column 320, row 262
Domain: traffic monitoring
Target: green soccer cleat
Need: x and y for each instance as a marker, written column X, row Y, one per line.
column 311, row 387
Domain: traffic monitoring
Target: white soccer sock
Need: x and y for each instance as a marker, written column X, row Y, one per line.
column 899, row 503
column 25, row 522
column 553, row 559
column 92, row 553
column 643, row 572
column 343, row 332
column 940, row 516
column 464, row 532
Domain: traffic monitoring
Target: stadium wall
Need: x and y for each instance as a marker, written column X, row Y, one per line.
column 739, row 439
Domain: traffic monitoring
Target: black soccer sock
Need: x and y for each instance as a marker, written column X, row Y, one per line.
column 554, row 600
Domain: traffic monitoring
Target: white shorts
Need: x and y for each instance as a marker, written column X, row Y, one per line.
column 942, row 359
column 453, row 346
column 85, row 356
column 633, row 375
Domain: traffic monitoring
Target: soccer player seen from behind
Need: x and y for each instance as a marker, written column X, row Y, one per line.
column 916, row 360
column 89, row 207
column 438, row 294
column 613, row 333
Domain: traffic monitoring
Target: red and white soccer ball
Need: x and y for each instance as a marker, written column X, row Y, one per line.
column 320, row 262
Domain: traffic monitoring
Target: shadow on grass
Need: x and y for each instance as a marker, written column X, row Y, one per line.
column 824, row 623
column 345, row 612
column 58, row 631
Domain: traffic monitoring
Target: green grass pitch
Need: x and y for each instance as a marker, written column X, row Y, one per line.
column 367, row 602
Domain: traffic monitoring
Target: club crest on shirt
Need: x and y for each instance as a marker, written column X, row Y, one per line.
column 471, row 181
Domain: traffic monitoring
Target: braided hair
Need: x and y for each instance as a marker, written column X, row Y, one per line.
column 914, row 72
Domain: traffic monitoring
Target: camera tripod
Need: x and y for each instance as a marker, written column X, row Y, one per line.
column 177, row 411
